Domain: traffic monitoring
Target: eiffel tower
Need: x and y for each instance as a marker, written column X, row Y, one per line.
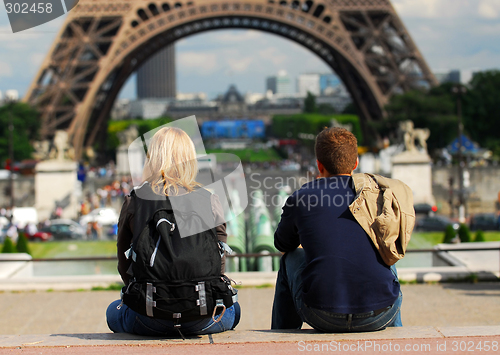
column 102, row 42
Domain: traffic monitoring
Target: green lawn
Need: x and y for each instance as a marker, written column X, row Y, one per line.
column 249, row 155
column 68, row 249
column 424, row 240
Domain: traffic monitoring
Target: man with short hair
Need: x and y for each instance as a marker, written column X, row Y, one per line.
column 339, row 245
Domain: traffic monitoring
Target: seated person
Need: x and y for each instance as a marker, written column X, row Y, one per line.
column 170, row 170
column 333, row 276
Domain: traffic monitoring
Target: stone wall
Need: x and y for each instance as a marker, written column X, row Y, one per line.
column 24, row 192
column 482, row 195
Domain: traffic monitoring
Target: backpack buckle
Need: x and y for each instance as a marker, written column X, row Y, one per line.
column 219, row 303
column 172, row 225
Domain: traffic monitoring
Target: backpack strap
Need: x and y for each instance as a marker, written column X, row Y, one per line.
column 164, row 228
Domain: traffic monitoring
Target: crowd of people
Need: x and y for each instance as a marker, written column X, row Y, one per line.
column 109, row 195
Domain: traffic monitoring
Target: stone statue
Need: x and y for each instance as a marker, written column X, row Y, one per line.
column 61, row 150
column 42, row 150
column 421, row 135
column 411, row 134
column 89, row 151
column 127, row 136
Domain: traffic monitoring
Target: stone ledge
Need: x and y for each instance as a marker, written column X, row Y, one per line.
column 246, row 336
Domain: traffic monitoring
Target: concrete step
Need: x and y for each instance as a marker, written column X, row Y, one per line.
column 404, row 338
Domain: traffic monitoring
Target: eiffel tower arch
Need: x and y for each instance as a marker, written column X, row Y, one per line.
column 102, row 42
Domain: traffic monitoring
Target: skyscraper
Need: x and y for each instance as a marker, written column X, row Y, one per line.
column 156, row 77
column 327, row 82
column 308, row 83
column 280, row 84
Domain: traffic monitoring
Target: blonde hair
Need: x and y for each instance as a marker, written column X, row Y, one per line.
column 171, row 162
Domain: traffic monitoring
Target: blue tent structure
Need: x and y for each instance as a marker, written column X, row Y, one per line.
column 468, row 146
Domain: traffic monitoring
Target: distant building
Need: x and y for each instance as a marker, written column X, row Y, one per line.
column 271, row 82
column 328, row 82
column 232, row 101
column 441, row 76
column 455, row 76
column 308, row 83
column 182, row 96
column 156, row 77
column 280, row 84
column 149, row 108
column 337, row 97
column 121, row 109
column 277, row 103
column 339, row 103
column 252, row 98
column 191, row 103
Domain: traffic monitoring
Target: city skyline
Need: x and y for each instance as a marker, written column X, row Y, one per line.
column 451, row 34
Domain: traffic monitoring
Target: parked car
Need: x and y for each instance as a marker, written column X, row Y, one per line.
column 64, row 229
column 104, row 216
column 424, row 208
column 435, row 223
column 484, row 221
column 40, row 236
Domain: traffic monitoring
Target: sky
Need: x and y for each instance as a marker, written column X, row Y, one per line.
column 451, row 34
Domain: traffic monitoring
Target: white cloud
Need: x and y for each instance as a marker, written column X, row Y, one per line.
column 489, row 9
column 273, row 55
column 37, row 58
column 435, row 8
column 486, row 29
column 203, row 63
column 54, row 24
column 485, row 58
column 6, row 35
column 5, row 70
column 419, row 8
column 239, row 65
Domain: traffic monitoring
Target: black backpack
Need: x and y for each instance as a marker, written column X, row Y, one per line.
column 172, row 277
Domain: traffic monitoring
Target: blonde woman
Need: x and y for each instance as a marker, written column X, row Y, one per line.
column 170, row 171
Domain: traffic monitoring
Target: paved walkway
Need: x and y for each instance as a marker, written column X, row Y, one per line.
column 411, row 340
column 438, row 305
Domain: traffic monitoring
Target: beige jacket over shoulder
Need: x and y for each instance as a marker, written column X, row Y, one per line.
column 384, row 208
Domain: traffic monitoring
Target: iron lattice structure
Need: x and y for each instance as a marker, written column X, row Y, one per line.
column 103, row 42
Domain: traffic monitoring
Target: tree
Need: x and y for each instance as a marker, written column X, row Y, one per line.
column 482, row 111
column 326, row 109
column 310, row 103
column 350, row 109
column 22, row 244
column 479, row 236
column 449, row 234
column 289, row 126
column 464, row 233
column 8, row 246
column 434, row 109
column 26, row 125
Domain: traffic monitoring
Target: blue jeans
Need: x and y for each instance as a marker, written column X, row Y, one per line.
column 125, row 320
column 289, row 310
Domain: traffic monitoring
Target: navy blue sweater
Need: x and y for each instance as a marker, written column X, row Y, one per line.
column 344, row 272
